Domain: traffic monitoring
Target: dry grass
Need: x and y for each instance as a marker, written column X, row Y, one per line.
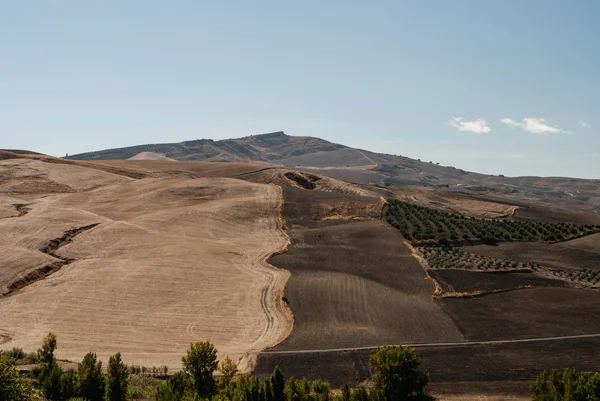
column 172, row 261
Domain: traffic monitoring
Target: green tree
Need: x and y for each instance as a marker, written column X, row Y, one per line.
column 50, row 382
column 69, row 385
column 568, row 385
column 174, row 388
column 228, row 369
column 50, row 373
column 46, row 353
column 344, row 393
column 396, row 375
column 12, row 385
column 278, row 385
column 117, row 378
column 91, row 380
column 200, row 363
column 359, row 394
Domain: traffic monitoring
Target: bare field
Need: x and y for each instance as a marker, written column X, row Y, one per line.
column 463, row 372
column 526, row 313
column 452, row 202
column 172, row 261
column 462, row 281
column 353, row 283
column 197, row 169
column 579, row 253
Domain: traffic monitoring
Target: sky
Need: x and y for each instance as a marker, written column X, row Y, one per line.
column 506, row 87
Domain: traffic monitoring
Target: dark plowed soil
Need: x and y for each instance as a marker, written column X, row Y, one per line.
column 537, row 214
column 472, row 369
column 527, row 313
column 561, row 255
column 353, row 283
column 462, row 281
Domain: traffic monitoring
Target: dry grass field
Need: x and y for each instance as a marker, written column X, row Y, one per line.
column 171, row 261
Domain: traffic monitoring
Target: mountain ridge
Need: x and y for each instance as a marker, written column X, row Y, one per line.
column 361, row 166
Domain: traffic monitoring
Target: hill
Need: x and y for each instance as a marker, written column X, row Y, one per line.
column 278, row 266
column 364, row 167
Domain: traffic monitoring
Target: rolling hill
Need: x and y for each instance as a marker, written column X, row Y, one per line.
column 364, row 167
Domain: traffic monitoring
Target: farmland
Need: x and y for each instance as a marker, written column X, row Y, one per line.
column 183, row 245
column 419, row 223
column 353, row 283
column 168, row 261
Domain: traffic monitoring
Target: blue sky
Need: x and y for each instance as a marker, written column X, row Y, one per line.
column 506, row 87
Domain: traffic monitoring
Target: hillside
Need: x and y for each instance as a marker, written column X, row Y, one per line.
column 364, row 167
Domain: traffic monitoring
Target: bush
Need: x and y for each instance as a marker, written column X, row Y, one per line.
column 396, row 375
column 568, row 385
column 12, row 386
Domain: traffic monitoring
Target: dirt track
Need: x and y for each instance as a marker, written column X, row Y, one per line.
column 174, row 260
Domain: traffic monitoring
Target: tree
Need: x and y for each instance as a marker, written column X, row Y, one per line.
column 200, row 363
column 278, row 385
column 12, row 385
column 46, row 353
column 345, row 393
column 50, row 381
column 228, row 369
column 568, row 385
column 69, row 385
column 50, row 373
column 174, row 388
column 396, row 376
column 117, row 377
column 91, row 380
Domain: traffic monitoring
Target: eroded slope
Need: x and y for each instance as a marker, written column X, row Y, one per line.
column 171, row 261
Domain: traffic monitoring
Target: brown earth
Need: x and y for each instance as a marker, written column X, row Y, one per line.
column 579, row 253
column 172, row 261
column 465, row 372
column 467, row 282
column 353, row 283
column 526, row 313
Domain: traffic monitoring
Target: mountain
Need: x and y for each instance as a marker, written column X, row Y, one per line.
column 364, row 167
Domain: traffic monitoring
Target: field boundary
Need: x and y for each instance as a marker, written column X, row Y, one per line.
column 450, row 344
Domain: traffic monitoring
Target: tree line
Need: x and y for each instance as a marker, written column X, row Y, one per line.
column 396, row 377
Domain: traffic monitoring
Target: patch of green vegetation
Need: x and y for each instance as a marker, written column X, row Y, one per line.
column 580, row 276
column 396, row 376
column 455, row 258
column 420, row 223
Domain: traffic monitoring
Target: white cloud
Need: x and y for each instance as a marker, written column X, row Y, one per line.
column 536, row 126
column 584, row 124
column 477, row 126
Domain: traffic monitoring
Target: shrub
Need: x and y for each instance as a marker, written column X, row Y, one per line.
column 568, row 385
column 12, row 386
column 396, row 375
